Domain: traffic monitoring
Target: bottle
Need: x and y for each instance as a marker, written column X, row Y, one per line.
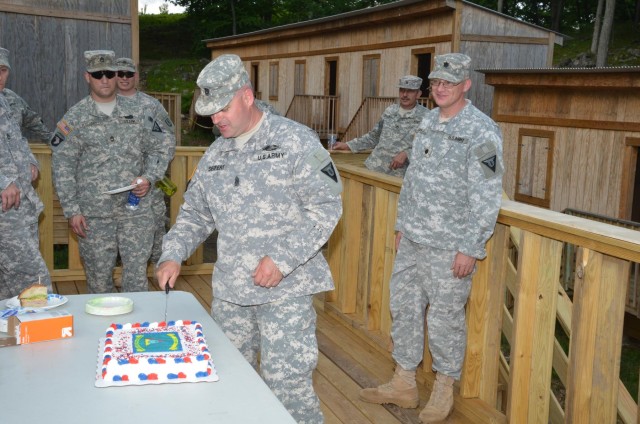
column 331, row 141
column 167, row 186
column 133, row 200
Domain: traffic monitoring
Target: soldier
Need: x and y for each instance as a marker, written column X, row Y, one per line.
column 126, row 80
column 272, row 192
column 392, row 137
column 103, row 143
column 27, row 119
column 21, row 263
column 447, row 211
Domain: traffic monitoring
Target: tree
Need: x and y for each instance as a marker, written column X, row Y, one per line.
column 605, row 33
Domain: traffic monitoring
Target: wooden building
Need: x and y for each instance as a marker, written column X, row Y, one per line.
column 361, row 54
column 47, row 39
column 571, row 137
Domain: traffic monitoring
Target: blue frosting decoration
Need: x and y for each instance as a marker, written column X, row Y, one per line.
column 202, row 374
column 142, row 376
column 172, row 376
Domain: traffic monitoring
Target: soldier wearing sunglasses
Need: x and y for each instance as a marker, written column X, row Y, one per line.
column 156, row 116
column 101, row 144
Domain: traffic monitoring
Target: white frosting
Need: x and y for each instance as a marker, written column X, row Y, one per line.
column 176, row 351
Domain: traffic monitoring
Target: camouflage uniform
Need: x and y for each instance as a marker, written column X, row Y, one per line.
column 393, row 133
column 449, row 203
column 28, row 120
column 21, row 263
column 151, row 107
column 266, row 107
column 94, row 153
column 276, row 195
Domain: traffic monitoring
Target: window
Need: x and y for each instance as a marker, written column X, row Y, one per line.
column 299, row 76
column 273, row 81
column 370, row 76
column 534, row 167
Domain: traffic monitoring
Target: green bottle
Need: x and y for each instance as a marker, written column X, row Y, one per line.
column 167, row 186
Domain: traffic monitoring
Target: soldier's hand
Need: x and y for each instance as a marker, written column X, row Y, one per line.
column 79, row 225
column 341, row 146
column 34, row 172
column 167, row 273
column 266, row 274
column 10, row 197
column 398, row 238
column 142, row 188
column 463, row 265
column 398, row 160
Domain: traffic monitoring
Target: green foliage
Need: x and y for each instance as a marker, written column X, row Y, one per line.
column 174, row 76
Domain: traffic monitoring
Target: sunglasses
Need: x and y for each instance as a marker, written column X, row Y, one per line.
column 126, row 74
column 99, row 74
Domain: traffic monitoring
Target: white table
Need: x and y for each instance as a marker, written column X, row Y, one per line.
column 53, row 382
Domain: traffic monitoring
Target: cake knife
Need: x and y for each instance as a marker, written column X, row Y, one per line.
column 166, row 300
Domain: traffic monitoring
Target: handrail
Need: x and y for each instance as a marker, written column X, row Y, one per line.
column 315, row 111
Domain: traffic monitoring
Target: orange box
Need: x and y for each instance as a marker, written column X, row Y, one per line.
column 41, row 326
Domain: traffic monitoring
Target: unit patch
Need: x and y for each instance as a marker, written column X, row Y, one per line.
column 330, row 172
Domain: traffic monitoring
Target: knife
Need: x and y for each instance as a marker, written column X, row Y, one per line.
column 166, row 300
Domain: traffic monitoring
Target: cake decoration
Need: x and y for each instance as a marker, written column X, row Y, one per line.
column 144, row 353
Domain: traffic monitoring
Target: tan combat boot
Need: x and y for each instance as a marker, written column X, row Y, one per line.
column 401, row 390
column 440, row 403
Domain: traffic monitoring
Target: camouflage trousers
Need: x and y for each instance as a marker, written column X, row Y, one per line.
column 284, row 334
column 422, row 276
column 131, row 236
column 21, row 263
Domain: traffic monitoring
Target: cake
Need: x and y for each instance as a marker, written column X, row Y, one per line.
column 142, row 353
column 33, row 296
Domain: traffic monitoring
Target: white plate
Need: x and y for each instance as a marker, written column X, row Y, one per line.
column 53, row 301
column 109, row 305
column 121, row 189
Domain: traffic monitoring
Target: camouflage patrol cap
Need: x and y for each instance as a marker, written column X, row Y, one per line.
column 100, row 60
column 4, row 58
column 410, row 82
column 125, row 64
column 218, row 83
column 453, row 67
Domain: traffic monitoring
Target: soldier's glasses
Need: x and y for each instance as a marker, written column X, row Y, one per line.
column 447, row 85
column 126, row 74
column 99, row 74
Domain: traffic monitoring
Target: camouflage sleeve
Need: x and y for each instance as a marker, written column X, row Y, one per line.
column 485, row 170
column 161, row 144
column 369, row 140
column 33, row 125
column 318, row 187
column 8, row 166
column 66, row 153
column 194, row 224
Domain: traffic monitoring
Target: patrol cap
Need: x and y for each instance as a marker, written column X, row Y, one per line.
column 453, row 67
column 100, row 60
column 410, row 82
column 4, row 58
column 218, row 83
column 125, row 64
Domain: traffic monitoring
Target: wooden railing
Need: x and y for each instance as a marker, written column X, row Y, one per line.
column 369, row 113
column 520, row 319
column 317, row 112
column 54, row 229
column 516, row 297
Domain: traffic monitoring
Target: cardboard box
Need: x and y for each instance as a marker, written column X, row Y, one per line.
column 41, row 326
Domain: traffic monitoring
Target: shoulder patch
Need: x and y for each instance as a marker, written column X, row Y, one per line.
column 487, row 156
column 330, row 172
column 156, row 127
column 64, row 128
column 57, row 139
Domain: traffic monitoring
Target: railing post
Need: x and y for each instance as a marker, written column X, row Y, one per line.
column 596, row 339
column 534, row 321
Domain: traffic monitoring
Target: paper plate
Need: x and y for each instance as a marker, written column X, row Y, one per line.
column 53, row 301
column 109, row 305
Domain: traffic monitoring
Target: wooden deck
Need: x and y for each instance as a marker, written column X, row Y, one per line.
column 347, row 363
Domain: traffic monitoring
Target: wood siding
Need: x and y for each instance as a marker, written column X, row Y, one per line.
column 592, row 114
column 395, row 32
column 47, row 39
